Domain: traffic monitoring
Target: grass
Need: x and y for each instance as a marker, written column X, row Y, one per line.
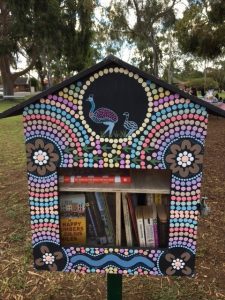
column 19, row 281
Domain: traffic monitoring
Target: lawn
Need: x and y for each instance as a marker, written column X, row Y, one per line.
column 18, row 279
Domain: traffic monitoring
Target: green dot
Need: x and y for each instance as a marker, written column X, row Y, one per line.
column 152, row 85
column 72, row 86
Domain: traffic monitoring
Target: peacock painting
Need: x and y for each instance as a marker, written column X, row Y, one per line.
column 131, row 126
column 102, row 115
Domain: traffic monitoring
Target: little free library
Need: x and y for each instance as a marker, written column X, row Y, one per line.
column 114, row 167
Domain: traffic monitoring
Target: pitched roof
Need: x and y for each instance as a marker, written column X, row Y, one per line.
column 16, row 110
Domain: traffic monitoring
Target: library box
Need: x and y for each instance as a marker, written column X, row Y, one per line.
column 114, row 166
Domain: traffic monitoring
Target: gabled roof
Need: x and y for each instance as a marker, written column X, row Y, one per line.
column 16, row 110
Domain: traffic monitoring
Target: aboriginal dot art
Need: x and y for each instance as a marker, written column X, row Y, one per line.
column 117, row 118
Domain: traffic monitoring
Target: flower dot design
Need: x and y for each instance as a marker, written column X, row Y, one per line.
column 178, row 264
column 40, row 157
column 48, row 258
column 185, row 159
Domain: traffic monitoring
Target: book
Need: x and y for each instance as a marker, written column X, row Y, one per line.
column 95, row 179
column 72, row 218
column 132, row 203
column 140, row 225
column 118, row 219
column 127, row 221
column 162, row 225
column 105, row 215
column 149, row 199
column 158, row 199
column 96, row 220
column 148, row 226
column 155, row 225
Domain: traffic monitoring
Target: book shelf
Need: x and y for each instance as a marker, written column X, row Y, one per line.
column 141, row 182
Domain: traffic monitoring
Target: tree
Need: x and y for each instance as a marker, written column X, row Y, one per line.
column 44, row 32
column 201, row 30
column 152, row 19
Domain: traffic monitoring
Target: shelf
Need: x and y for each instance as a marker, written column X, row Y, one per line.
column 142, row 181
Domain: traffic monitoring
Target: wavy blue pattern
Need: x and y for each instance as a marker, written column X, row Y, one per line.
column 113, row 259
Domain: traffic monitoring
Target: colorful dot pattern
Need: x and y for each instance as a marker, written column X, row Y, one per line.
column 169, row 119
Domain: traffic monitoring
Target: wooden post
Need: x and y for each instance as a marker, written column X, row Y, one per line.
column 114, row 287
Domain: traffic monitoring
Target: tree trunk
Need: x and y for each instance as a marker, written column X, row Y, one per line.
column 7, row 78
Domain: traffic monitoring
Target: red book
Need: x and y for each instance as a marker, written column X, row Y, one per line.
column 95, row 179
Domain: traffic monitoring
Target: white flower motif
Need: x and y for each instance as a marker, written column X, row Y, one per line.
column 185, row 159
column 48, row 258
column 40, row 157
column 178, row 264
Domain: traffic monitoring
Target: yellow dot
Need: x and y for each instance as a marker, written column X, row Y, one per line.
column 106, row 159
column 60, row 93
column 136, row 76
column 156, row 97
column 117, row 164
column 82, row 117
column 82, row 92
column 111, row 165
column 81, row 97
column 106, row 71
column 110, row 70
column 92, row 78
column 160, row 89
column 88, row 82
column 97, row 137
column 140, row 129
column 104, row 154
column 106, row 165
column 110, row 155
column 140, row 80
column 96, row 75
column 121, row 70
column 70, row 98
column 89, row 130
column 131, row 74
column 144, row 84
column 100, row 73
column 126, row 71
column 118, row 152
column 161, row 95
column 119, row 147
column 86, row 126
column 65, row 96
column 167, row 93
column 93, row 133
column 80, row 107
column 116, row 70
column 65, row 90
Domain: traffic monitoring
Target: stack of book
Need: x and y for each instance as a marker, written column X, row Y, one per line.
column 145, row 219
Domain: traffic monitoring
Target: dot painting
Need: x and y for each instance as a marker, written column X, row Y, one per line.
column 89, row 124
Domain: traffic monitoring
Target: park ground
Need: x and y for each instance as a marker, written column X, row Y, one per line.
column 18, row 279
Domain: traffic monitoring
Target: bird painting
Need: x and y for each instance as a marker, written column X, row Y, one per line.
column 102, row 115
column 131, row 126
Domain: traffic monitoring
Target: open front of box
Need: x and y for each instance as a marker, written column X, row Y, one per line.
column 114, row 161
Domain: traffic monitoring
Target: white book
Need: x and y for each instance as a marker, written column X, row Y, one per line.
column 140, row 225
column 127, row 221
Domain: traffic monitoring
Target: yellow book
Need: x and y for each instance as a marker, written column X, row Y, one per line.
column 72, row 219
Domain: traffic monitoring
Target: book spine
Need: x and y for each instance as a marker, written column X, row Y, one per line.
column 105, row 215
column 118, row 219
column 127, row 221
column 149, row 232
column 155, row 225
column 131, row 208
column 95, row 179
column 141, row 232
column 99, row 225
column 158, row 199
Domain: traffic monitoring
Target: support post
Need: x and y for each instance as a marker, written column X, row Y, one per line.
column 114, row 287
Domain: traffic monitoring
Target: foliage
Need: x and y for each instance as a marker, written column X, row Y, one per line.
column 201, row 30
column 152, row 19
column 45, row 32
column 199, row 83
